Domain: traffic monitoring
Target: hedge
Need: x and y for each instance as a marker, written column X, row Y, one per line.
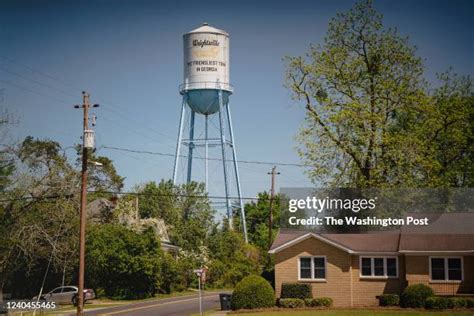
column 389, row 300
column 435, row 302
column 318, row 302
column 415, row 295
column 253, row 292
column 296, row 290
column 291, row 303
column 470, row 303
column 458, row 302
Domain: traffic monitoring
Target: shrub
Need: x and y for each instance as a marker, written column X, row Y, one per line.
column 296, row 290
column 317, row 302
column 415, row 295
column 389, row 300
column 124, row 263
column 435, row 302
column 291, row 303
column 253, row 292
column 469, row 302
column 459, row 302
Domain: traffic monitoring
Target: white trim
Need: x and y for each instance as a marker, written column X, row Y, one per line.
column 436, row 251
column 306, row 236
column 376, row 254
column 446, row 269
column 365, row 253
column 372, row 267
column 312, row 279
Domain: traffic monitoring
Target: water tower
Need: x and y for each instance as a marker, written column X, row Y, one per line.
column 206, row 90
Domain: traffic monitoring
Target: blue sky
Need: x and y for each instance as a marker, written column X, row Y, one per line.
column 128, row 55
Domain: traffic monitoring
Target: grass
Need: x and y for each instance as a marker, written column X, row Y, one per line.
column 361, row 312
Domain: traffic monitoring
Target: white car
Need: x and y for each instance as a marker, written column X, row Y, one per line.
column 66, row 295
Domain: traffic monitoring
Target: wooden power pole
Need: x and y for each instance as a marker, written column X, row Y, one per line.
column 83, row 210
column 273, row 173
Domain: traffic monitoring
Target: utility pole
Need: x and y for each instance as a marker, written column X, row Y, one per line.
column 273, row 173
column 88, row 143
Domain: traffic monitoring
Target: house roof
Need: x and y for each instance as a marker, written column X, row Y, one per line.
column 447, row 233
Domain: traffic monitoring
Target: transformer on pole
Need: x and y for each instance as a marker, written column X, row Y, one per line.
column 206, row 91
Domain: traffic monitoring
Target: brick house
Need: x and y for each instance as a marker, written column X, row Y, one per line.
column 353, row 269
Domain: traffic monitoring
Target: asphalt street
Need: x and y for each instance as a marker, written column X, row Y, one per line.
column 176, row 306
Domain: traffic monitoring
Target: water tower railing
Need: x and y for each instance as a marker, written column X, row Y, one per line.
column 212, row 85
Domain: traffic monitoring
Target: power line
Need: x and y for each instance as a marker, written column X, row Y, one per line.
column 37, row 82
column 34, row 91
column 58, row 196
column 201, row 158
column 111, row 108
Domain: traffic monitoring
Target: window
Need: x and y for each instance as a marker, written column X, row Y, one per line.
column 446, row 269
column 305, row 268
column 312, row 268
column 366, row 266
column 379, row 267
column 391, row 267
column 437, row 269
column 319, row 268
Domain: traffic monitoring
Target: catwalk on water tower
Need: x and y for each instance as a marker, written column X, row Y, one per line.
column 206, row 91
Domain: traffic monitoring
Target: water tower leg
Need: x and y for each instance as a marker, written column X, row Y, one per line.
column 237, row 177
column 224, row 160
column 206, row 152
column 191, row 146
column 178, row 144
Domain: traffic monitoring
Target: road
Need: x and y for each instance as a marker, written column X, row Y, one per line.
column 176, row 306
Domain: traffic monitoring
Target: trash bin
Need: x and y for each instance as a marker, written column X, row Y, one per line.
column 225, row 301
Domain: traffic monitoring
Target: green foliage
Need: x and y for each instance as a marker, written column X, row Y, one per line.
column 372, row 120
column 231, row 258
column 457, row 302
column 257, row 214
column 104, row 177
column 470, row 303
column 318, row 302
column 291, row 302
column 43, row 194
column 253, row 292
column 7, row 167
column 296, row 290
column 185, row 209
column 389, row 300
column 124, row 263
column 415, row 295
column 435, row 302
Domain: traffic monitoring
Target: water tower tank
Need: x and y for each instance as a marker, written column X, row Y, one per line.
column 206, row 68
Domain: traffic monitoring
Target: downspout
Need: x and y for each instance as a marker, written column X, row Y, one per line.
column 350, row 279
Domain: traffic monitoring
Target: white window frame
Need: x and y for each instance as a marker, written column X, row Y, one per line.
column 312, row 269
column 446, row 269
column 372, row 267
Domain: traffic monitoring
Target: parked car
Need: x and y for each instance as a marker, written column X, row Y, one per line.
column 66, row 295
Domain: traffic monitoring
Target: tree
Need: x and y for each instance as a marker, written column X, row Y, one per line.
column 257, row 214
column 159, row 201
column 104, row 177
column 185, row 209
column 122, row 262
column 231, row 258
column 449, row 132
column 356, row 87
column 39, row 219
column 39, row 212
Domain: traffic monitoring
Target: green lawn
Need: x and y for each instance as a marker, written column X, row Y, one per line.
column 361, row 312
